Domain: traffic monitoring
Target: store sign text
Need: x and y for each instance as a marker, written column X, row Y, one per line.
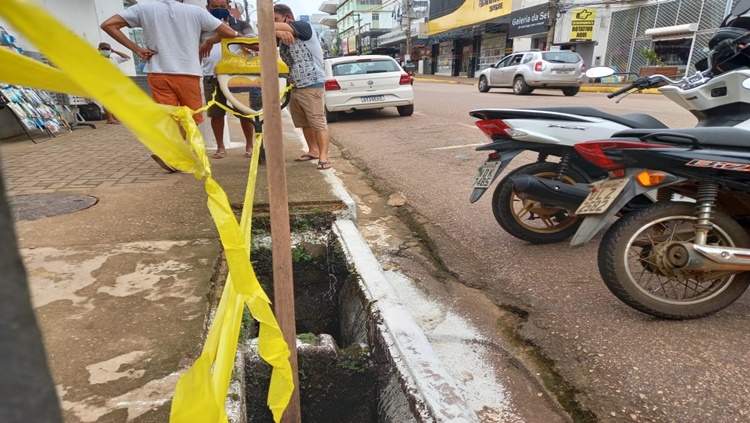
column 583, row 25
column 493, row 4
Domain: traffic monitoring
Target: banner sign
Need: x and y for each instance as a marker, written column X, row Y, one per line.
column 583, row 24
column 532, row 20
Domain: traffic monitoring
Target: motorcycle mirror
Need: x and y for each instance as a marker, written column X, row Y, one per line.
column 600, row 72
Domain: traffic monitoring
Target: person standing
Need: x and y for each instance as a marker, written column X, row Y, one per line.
column 301, row 51
column 220, row 10
column 173, row 50
column 119, row 57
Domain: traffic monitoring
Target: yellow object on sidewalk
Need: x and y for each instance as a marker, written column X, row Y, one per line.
column 201, row 392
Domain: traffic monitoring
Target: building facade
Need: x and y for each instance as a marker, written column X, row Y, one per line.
column 466, row 36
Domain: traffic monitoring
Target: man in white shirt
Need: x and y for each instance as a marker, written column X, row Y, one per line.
column 173, row 50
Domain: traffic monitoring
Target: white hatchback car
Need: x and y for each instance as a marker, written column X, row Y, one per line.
column 366, row 82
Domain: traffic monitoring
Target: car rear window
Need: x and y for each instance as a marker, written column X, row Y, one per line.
column 561, row 57
column 365, row 67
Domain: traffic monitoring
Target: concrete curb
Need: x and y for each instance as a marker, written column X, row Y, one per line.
column 425, row 380
column 584, row 88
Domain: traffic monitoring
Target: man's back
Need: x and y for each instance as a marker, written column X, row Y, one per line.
column 172, row 30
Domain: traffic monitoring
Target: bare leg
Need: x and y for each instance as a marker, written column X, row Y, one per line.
column 323, row 141
column 312, row 143
column 110, row 117
column 217, row 126
column 249, row 131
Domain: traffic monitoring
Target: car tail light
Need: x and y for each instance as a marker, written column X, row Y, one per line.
column 539, row 66
column 594, row 151
column 493, row 127
column 405, row 79
column 583, row 68
column 332, row 85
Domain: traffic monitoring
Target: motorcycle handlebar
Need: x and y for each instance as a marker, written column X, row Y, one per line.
column 621, row 90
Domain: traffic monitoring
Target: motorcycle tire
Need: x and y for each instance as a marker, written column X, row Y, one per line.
column 559, row 224
column 629, row 257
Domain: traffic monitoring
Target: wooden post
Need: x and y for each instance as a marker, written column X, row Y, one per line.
column 281, row 248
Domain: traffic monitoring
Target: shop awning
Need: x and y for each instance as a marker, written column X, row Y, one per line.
column 676, row 31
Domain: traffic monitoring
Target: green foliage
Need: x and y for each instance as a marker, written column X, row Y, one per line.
column 308, row 338
column 354, row 358
column 300, row 255
column 653, row 58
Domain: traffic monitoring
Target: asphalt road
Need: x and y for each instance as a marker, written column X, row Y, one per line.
column 624, row 365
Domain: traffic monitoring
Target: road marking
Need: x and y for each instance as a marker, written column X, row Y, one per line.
column 453, row 147
column 467, row 125
column 419, row 114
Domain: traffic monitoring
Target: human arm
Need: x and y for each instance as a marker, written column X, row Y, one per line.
column 121, row 54
column 287, row 32
column 112, row 27
column 284, row 32
column 222, row 31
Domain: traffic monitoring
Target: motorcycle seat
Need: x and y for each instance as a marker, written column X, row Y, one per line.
column 714, row 136
column 631, row 120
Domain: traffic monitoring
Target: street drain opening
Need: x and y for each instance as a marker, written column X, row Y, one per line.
column 344, row 375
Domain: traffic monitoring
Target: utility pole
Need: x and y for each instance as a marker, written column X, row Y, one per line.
column 407, row 10
column 552, row 23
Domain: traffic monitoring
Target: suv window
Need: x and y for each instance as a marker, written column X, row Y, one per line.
column 503, row 63
column 529, row 57
column 516, row 60
column 561, row 57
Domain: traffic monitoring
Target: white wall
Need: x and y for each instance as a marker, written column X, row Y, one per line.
column 83, row 17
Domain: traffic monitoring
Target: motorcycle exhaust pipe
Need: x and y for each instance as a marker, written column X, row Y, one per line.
column 687, row 256
column 549, row 192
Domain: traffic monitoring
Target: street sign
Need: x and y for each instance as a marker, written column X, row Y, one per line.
column 583, row 24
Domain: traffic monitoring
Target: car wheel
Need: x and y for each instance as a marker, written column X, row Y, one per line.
column 571, row 91
column 332, row 116
column 405, row 110
column 520, row 87
column 483, row 85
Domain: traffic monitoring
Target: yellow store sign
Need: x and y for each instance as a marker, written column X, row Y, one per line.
column 469, row 13
column 583, row 25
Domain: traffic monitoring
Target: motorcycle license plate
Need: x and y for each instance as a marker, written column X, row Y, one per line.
column 599, row 199
column 486, row 174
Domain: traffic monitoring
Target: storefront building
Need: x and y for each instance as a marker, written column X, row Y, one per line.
column 463, row 32
column 677, row 31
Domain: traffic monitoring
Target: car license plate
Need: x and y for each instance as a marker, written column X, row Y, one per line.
column 600, row 198
column 371, row 98
column 486, row 174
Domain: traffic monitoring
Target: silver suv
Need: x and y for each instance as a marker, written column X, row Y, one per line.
column 526, row 70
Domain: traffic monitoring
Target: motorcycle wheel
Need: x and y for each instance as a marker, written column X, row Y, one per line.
column 529, row 220
column 631, row 262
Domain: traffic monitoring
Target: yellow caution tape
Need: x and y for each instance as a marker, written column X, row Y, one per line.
column 201, row 392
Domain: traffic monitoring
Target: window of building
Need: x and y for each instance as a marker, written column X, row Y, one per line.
column 674, row 52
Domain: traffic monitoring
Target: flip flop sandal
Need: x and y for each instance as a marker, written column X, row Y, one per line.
column 248, row 154
column 163, row 164
column 305, row 158
column 219, row 155
column 324, row 165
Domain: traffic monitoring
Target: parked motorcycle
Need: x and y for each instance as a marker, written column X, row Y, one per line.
column 549, row 132
column 550, row 193
column 679, row 260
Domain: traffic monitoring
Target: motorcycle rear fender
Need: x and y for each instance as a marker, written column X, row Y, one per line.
column 592, row 224
column 505, row 158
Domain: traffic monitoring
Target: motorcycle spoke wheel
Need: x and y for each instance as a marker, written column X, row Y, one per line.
column 529, row 220
column 632, row 263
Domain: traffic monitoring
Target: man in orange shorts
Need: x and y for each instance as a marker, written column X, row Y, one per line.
column 172, row 49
